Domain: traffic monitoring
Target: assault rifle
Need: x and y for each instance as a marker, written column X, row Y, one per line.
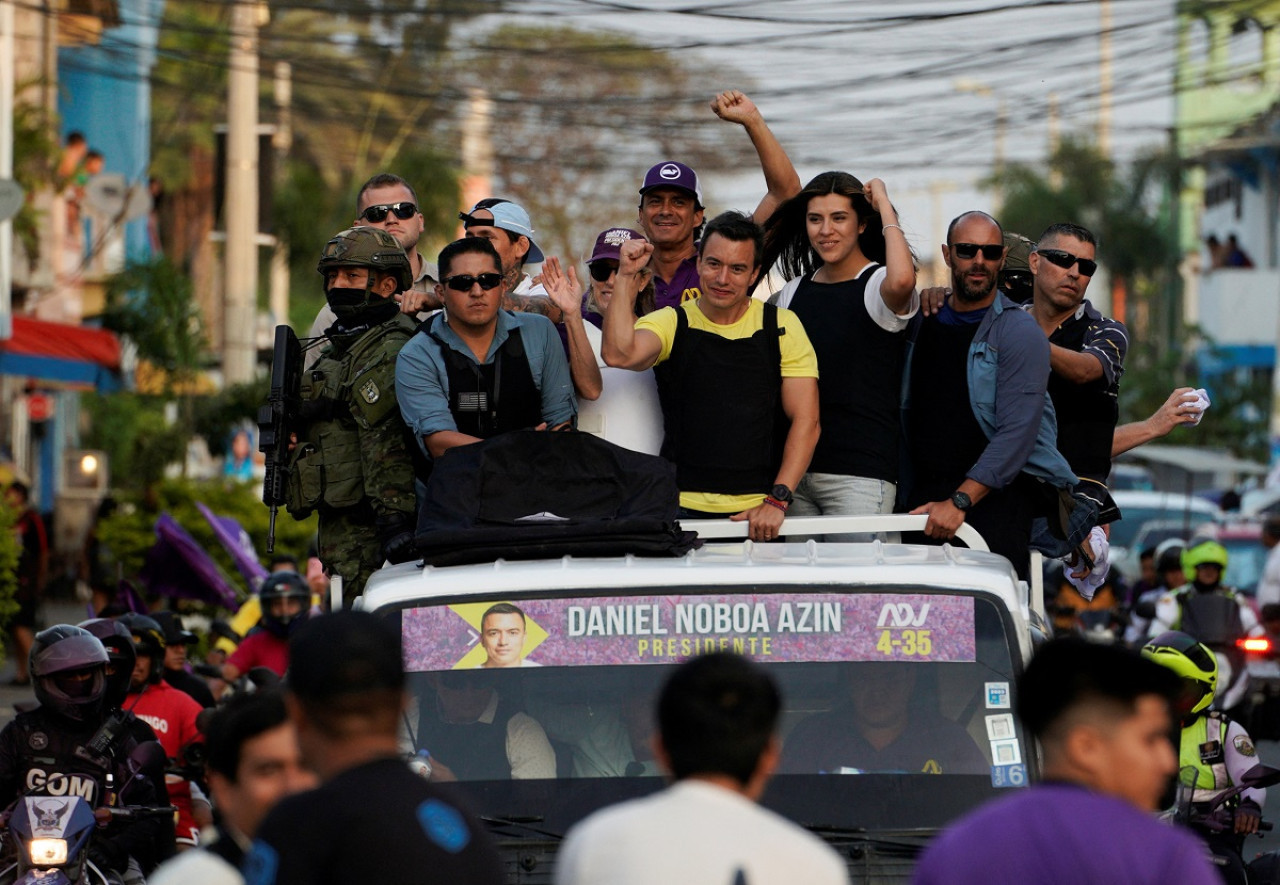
column 276, row 421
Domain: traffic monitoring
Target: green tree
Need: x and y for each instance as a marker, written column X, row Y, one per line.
column 581, row 115
column 9, row 552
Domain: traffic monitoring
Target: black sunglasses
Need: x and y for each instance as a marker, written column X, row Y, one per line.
column 601, row 270
column 463, row 282
column 1066, row 259
column 376, row 214
column 991, row 252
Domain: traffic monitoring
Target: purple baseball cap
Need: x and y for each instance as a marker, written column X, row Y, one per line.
column 609, row 243
column 672, row 174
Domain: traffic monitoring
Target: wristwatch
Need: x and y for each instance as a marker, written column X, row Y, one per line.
column 781, row 493
column 961, row 501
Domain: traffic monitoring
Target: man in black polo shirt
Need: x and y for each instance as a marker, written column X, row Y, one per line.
column 345, row 695
column 1086, row 358
column 1086, row 349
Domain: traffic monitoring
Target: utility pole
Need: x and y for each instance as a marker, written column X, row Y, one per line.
column 1055, row 174
column 283, row 139
column 8, row 59
column 239, row 354
column 477, row 149
column 1104, row 79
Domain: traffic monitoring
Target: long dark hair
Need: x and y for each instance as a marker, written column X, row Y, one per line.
column 786, row 238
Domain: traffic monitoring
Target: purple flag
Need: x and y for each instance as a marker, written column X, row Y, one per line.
column 179, row 568
column 239, row 546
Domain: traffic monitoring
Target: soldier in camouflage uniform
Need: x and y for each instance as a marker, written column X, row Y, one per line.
column 353, row 462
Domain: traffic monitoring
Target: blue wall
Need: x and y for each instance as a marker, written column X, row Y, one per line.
column 105, row 92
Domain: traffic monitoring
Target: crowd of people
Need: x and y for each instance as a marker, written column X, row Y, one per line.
column 992, row 401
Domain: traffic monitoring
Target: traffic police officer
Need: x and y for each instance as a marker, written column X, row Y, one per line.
column 352, row 462
column 1218, row 749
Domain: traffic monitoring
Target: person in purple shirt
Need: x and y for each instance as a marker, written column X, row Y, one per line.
column 1102, row 716
column 671, row 209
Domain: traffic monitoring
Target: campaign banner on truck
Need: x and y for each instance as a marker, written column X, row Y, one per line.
column 770, row 628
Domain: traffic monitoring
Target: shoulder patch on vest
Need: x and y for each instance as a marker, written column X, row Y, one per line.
column 38, row 740
column 369, row 391
column 1244, row 746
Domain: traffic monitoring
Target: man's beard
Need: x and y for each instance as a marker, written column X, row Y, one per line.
column 969, row 294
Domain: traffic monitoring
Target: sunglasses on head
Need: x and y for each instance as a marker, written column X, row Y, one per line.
column 463, row 282
column 990, row 251
column 1066, row 259
column 403, row 211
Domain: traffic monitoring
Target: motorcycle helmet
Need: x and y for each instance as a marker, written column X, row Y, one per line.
column 121, row 656
column 283, row 585
column 1169, row 559
column 1203, row 553
column 1192, row 661
column 69, row 671
column 148, row 638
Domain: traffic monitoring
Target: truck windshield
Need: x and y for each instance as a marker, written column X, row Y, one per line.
column 897, row 706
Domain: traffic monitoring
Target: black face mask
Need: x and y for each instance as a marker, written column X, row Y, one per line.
column 359, row 306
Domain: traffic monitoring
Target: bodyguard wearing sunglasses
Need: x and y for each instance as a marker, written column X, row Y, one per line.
column 476, row 370
column 388, row 202
column 978, row 427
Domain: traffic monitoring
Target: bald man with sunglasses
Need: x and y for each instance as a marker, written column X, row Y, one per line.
column 388, row 202
column 980, row 430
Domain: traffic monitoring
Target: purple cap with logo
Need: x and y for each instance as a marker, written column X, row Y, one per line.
column 672, row 174
column 609, row 243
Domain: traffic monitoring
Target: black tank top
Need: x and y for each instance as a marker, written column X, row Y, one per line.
column 944, row 439
column 494, row 398
column 859, row 382
column 721, row 406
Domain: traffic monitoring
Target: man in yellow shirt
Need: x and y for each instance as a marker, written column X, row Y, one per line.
column 726, row 365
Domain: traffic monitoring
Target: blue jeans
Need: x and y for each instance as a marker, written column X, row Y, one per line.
column 834, row 494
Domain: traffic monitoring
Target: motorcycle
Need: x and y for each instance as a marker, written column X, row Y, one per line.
column 1217, row 818
column 51, row 835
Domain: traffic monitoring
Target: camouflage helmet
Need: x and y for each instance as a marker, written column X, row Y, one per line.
column 370, row 247
column 1015, row 277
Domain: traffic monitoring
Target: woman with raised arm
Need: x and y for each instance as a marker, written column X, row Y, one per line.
column 852, row 284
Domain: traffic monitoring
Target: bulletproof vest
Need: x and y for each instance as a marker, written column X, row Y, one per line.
column 860, row 385
column 347, row 390
column 472, row 750
column 721, row 408
column 1087, row 413
column 48, row 764
column 1202, row 747
column 493, row 398
column 1212, row 618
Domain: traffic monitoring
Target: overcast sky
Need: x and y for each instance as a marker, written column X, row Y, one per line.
column 875, row 88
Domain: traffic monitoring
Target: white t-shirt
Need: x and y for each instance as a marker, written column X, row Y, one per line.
column 627, row 412
column 1269, row 586
column 884, row 317
column 694, row 833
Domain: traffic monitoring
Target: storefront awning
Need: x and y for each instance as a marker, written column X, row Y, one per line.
column 54, row 352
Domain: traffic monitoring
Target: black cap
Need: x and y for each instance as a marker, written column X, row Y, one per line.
column 174, row 632
column 346, row 652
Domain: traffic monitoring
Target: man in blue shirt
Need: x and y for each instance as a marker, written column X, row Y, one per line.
column 979, row 428
column 1102, row 716
column 474, row 370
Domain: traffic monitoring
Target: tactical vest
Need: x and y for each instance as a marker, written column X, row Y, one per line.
column 721, row 408
column 1087, row 413
column 472, row 750
column 343, row 393
column 1203, row 747
column 493, row 398
column 1212, row 618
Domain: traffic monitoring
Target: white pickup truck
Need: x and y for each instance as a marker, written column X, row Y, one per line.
column 897, row 665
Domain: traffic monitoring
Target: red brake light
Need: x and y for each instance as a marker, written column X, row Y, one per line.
column 1257, row 644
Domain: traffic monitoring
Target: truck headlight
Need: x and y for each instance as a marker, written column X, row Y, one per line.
column 48, row 852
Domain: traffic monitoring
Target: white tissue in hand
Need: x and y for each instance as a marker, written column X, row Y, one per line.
column 1197, row 400
column 1101, row 548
